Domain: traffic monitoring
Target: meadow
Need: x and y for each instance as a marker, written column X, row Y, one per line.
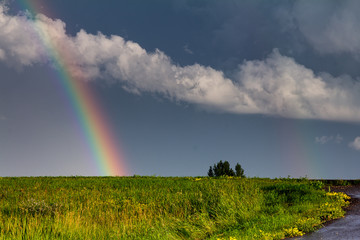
column 163, row 207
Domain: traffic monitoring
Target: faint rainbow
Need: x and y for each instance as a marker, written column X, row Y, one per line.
column 104, row 147
column 297, row 147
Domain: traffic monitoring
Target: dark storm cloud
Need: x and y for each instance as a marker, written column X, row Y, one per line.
column 236, row 30
column 330, row 26
column 328, row 33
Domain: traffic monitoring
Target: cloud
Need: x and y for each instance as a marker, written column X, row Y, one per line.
column 2, row 54
column 330, row 26
column 326, row 139
column 355, row 144
column 187, row 49
column 19, row 40
column 323, row 139
column 275, row 85
column 338, row 139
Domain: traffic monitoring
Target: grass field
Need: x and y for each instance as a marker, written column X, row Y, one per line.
column 163, row 208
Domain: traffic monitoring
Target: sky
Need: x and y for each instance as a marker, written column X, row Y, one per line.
column 170, row 87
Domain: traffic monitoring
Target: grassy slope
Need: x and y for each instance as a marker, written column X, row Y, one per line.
column 162, row 208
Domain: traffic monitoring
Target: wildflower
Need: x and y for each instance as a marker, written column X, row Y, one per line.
column 293, row 232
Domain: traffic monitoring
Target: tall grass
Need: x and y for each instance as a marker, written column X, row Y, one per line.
column 162, row 208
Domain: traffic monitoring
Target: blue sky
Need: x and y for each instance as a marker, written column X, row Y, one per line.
column 272, row 85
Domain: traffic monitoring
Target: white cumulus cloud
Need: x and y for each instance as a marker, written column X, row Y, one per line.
column 276, row 85
column 355, row 144
column 19, row 42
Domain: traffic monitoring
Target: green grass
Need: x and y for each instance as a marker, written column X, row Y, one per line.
column 162, row 208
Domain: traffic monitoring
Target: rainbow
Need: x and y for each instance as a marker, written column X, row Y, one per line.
column 96, row 129
column 299, row 156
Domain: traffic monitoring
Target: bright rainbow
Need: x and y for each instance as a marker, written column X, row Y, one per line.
column 104, row 147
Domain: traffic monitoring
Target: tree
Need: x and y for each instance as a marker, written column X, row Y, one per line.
column 239, row 171
column 210, row 172
column 217, row 169
column 221, row 169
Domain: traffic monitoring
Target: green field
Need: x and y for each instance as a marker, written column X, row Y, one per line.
column 163, row 208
